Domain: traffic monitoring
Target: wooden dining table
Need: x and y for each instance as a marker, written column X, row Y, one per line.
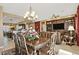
column 38, row 43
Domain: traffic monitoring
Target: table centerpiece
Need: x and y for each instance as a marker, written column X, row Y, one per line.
column 31, row 34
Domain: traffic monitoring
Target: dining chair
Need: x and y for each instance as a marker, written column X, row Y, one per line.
column 20, row 47
column 52, row 44
column 50, row 49
column 23, row 46
column 42, row 34
column 48, row 35
column 16, row 41
column 44, row 50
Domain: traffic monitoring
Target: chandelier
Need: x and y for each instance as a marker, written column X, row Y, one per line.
column 30, row 15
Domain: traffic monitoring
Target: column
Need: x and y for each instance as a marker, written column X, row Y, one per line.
column 1, row 25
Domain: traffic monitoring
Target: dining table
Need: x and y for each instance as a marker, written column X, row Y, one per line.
column 38, row 44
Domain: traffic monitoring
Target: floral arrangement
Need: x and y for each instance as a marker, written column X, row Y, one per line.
column 31, row 34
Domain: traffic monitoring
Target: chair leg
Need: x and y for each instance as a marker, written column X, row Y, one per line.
column 17, row 51
column 35, row 52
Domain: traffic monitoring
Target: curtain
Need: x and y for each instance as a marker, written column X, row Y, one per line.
column 77, row 25
column 37, row 26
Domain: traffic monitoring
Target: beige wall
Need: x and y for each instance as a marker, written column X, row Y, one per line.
column 1, row 25
column 43, row 26
column 30, row 25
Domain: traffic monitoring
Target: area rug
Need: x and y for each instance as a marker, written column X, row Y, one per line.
column 9, row 52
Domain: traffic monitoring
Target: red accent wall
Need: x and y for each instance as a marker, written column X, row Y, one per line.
column 37, row 26
column 77, row 25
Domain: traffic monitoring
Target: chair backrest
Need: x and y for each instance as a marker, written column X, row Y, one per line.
column 17, row 44
column 56, row 37
column 58, row 41
column 53, row 38
column 48, row 35
column 42, row 34
column 22, row 42
column 52, row 44
column 15, row 40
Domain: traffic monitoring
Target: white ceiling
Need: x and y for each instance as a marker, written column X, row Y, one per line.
column 44, row 10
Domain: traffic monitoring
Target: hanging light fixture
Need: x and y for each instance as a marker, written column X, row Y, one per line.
column 30, row 15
